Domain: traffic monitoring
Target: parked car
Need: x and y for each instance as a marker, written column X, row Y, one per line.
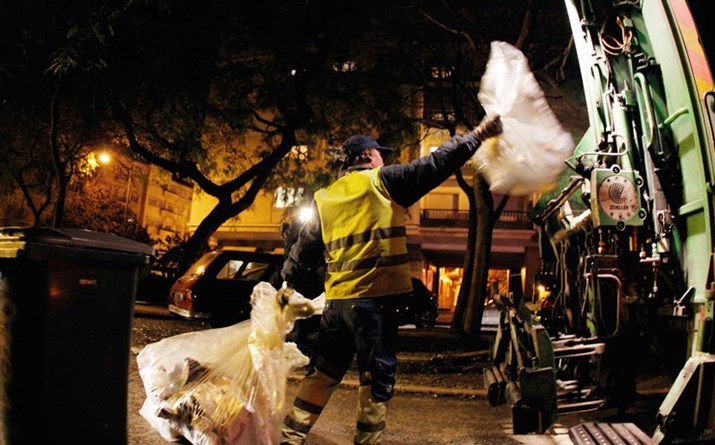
column 154, row 287
column 218, row 286
column 419, row 308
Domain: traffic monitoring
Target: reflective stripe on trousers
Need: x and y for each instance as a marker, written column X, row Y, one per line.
column 314, row 392
column 313, row 395
column 370, row 417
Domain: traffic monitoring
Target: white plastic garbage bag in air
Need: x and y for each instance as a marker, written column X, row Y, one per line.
column 226, row 385
column 528, row 157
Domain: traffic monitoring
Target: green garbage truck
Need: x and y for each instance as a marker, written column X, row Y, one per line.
column 627, row 238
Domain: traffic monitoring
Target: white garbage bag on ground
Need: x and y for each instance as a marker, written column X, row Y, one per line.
column 530, row 154
column 225, row 385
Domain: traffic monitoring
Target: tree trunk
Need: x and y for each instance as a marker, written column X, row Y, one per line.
column 472, row 322
column 469, row 254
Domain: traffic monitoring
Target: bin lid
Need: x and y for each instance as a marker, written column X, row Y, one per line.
column 82, row 238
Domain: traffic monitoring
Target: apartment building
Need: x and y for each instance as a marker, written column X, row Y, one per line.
column 158, row 201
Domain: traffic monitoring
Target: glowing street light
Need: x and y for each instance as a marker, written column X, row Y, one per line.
column 104, row 158
column 94, row 160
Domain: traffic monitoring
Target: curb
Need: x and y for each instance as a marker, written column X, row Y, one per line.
column 413, row 389
column 151, row 310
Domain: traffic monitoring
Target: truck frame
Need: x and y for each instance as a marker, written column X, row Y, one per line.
column 627, row 239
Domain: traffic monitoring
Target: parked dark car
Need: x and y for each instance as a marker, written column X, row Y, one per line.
column 154, row 287
column 419, row 308
column 218, row 286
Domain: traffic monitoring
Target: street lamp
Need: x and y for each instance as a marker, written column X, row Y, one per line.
column 105, row 158
column 126, row 200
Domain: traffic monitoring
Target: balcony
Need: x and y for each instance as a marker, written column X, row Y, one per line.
column 508, row 220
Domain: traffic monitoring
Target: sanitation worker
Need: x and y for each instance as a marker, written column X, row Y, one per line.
column 360, row 230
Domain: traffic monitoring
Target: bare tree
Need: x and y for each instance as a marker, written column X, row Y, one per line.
column 225, row 110
column 472, row 30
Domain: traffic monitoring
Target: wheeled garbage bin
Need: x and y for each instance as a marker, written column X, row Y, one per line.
column 66, row 309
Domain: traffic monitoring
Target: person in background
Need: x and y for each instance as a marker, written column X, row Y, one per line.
column 305, row 330
column 360, row 230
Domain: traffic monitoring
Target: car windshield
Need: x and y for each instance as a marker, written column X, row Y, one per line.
column 230, row 270
column 236, row 269
column 199, row 267
column 254, row 270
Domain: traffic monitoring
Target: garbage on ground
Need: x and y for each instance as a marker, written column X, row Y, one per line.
column 529, row 156
column 225, row 385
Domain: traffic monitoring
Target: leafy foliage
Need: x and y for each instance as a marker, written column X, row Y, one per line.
column 219, row 92
column 95, row 209
column 48, row 92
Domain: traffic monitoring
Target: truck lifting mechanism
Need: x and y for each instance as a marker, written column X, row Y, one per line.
column 628, row 237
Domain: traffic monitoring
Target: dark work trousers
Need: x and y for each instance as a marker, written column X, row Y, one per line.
column 366, row 328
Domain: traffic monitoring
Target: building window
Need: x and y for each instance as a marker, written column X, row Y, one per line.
column 441, row 72
column 345, row 67
column 440, row 116
column 287, row 197
column 299, row 152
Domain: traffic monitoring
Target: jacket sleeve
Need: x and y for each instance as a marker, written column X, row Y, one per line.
column 407, row 183
column 305, row 259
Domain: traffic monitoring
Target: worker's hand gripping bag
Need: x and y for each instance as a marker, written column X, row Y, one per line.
column 226, row 385
column 530, row 154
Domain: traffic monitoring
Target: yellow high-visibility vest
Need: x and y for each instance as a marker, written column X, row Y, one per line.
column 364, row 234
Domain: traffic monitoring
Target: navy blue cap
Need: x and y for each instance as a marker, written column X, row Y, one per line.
column 359, row 142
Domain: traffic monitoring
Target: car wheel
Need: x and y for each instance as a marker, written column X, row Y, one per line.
column 425, row 319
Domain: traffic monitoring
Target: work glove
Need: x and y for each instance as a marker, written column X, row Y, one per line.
column 284, row 294
column 291, row 300
column 490, row 126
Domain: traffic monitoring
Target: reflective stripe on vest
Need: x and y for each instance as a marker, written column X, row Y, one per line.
column 364, row 234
